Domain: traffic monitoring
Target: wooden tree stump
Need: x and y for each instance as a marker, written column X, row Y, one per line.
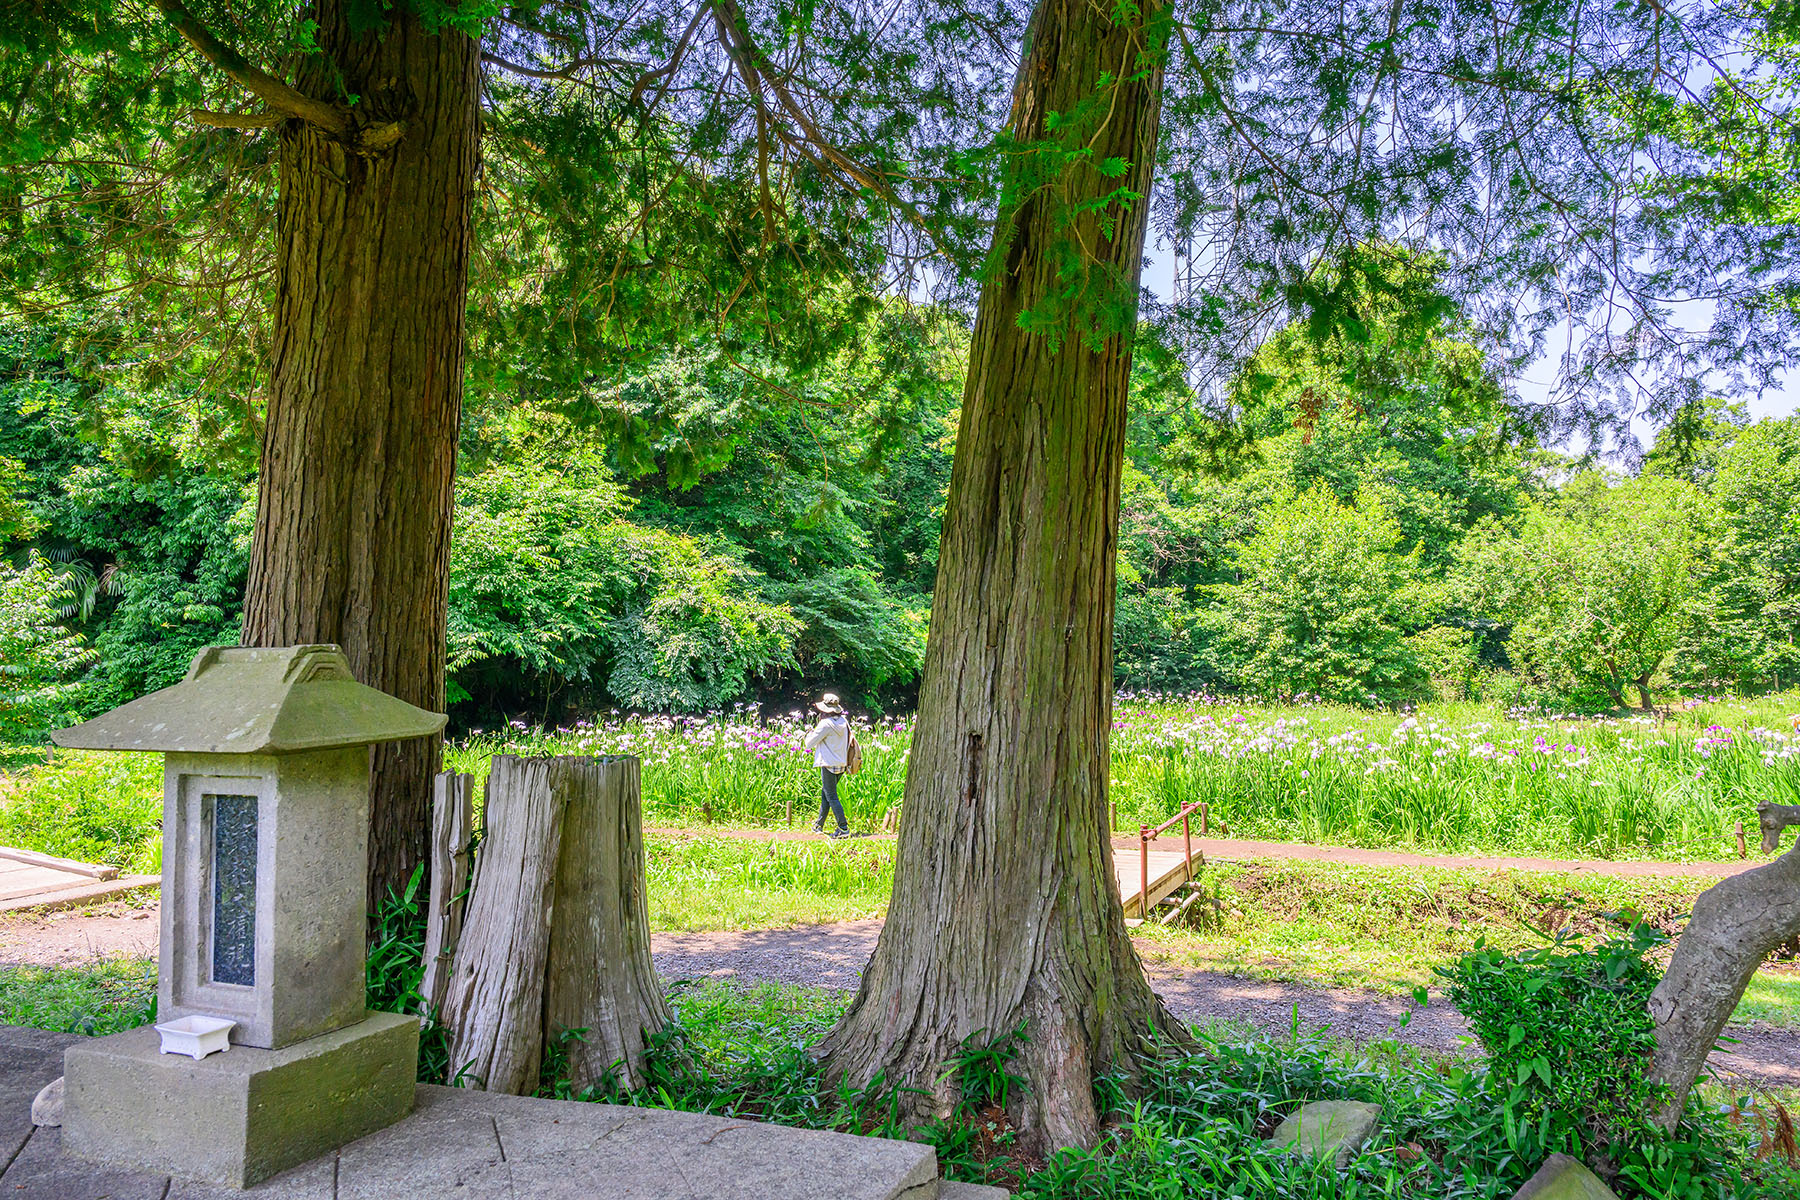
column 557, row 935
column 452, row 853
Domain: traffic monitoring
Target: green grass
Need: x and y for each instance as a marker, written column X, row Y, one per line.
column 105, row 997
column 1449, row 778
column 1388, row 928
column 696, row 882
column 101, row 808
column 1194, row 1125
column 1773, row 997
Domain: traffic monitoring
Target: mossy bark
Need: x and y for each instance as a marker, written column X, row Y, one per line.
column 1005, row 910
column 365, row 401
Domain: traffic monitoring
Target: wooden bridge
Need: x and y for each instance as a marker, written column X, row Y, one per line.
column 1149, row 875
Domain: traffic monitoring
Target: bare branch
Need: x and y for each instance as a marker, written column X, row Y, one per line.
column 258, row 82
column 1774, row 818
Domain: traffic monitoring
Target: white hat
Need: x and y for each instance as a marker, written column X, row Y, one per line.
column 828, row 703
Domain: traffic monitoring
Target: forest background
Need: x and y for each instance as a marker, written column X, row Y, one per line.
column 1375, row 518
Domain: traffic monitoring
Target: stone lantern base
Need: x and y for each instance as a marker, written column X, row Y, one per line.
column 242, row 1115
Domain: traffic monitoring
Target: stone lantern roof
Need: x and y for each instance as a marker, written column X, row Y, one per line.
column 241, row 700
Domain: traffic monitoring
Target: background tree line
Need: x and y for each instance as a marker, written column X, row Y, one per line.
column 1379, row 522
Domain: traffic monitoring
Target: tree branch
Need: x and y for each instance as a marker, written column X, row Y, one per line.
column 219, row 120
column 259, row 83
column 1774, row 818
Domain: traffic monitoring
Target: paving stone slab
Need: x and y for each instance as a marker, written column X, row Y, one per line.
column 468, row 1145
column 41, row 1171
column 1563, row 1178
column 1335, row 1127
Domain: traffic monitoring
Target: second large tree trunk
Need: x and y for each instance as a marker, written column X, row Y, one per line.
column 1005, row 911
column 353, row 517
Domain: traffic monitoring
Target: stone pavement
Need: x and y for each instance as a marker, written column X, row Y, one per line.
column 471, row 1144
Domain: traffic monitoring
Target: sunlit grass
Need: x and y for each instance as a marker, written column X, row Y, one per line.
column 698, row 882
column 1773, row 996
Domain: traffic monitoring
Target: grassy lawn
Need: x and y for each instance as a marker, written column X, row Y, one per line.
column 1322, row 924
column 101, row 998
column 699, row 882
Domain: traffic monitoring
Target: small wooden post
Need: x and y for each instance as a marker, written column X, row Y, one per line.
column 1204, row 825
column 1743, row 851
column 789, row 814
column 1144, row 871
column 452, row 839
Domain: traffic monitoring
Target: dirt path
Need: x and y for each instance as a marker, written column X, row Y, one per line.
column 833, row 956
column 1246, row 850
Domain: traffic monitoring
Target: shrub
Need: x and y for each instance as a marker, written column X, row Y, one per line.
column 1569, row 1036
column 38, row 658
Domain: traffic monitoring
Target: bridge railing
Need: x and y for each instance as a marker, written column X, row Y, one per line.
column 1146, row 835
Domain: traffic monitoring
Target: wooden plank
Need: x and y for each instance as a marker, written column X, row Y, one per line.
column 33, row 858
column 452, row 835
column 42, row 880
column 1168, row 871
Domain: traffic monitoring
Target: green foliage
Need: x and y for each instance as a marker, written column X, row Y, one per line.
column 1324, row 599
column 695, row 642
column 96, row 807
column 109, row 996
column 39, row 660
column 1568, row 1035
column 1747, row 625
column 396, row 969
column 1179, row 1124
column 1599, row 584
column 547, row 574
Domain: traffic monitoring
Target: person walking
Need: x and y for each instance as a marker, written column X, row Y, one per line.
column 829, row 742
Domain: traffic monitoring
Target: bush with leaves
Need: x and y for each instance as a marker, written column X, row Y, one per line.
column 39, row 659
column 1568, row 1033
column 1599, row 583
column 1323, row 604
column 550, row 577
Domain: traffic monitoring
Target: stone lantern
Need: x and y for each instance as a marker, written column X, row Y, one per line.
column 264, row 924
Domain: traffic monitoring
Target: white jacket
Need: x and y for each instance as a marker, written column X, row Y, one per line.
column 829, row 742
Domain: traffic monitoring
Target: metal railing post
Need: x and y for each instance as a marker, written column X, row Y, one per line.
column 1187, row 845
column 1144, row 872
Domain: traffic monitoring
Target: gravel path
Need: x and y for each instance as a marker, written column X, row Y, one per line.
column 1249, row 850
column 833, row 956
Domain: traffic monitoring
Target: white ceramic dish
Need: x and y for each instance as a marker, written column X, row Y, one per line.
column 196, row 1036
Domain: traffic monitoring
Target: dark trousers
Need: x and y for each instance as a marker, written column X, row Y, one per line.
column 828, row 802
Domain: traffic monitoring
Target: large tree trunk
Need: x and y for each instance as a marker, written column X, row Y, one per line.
column 1004, row 907
column 353, row 518
column 555, row 950
column 1736, row 924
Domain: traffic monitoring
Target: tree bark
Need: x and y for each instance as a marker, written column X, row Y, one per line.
column 1004, row 907
column 365, row 400
column 452, row 843
column 557, row 937
column 1736, row 924
column 601, row 979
